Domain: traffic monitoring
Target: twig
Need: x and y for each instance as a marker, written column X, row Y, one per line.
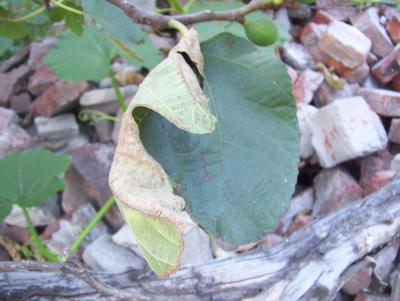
column 160, row 22
column 323, row 252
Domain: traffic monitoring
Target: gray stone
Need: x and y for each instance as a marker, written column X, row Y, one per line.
column 105, row 96
column 104, row 129
column 385, row 261
column 7, row 118
column 300, row 203
column 93, row 162
column 197, row 247
column 13, row 138
column 124, row 237
column 20, row 103
column 345, row 44
column 296, row 55
column 334, row 188
column 59, row 127
column 346, row 129
column 304, row 114
column 368, row 22
column 8, row 82
column 104, row 255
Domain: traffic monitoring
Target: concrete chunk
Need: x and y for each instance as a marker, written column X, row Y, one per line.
column 346, row 129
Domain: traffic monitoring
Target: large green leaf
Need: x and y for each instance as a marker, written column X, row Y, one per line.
column 238, row 180
column 150, row 56
column 81, row 58
column 14, row 30
column 113, row 20
column 29, row 178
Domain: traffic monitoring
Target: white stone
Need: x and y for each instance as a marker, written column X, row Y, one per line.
column 104, row 255
column 40, row 216
column 345, row 44
column 346, row 129
column 59, row 127
column 13, row 138
column 105, row 96
column 304, row 114
column 368, row 23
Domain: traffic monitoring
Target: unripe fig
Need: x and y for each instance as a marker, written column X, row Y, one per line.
column 261, row 32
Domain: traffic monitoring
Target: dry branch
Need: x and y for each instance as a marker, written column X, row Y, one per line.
column 310, row 265
column 160, row 22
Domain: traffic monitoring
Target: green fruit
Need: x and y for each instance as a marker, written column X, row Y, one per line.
column 261, row 32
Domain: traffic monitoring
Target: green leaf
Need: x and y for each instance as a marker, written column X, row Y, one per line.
column 113, row 20
column 5, row 44
column 238, row 180
column 14, row 30
column 149, row 54
column 29, row 178
column 81, row 58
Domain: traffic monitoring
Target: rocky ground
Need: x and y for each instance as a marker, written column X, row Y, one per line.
column 346, row 82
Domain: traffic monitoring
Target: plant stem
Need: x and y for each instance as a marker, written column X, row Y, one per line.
column 188, row 6
column 26, row 17
column 120, row 98
column 174, row 24
column 41, row 247
column 99, row 215
column 66, row 7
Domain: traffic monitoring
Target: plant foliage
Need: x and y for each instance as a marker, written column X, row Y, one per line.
column 29, row 178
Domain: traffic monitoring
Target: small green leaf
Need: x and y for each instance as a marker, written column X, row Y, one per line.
column 81, row 58
column 14, row 30
column 29, row 178
column 113, row 20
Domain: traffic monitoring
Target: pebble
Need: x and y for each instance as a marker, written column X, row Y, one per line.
column 382, row 101
column 105, row 96
column 304, row 114
column 105, row 256
column 59, row 127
